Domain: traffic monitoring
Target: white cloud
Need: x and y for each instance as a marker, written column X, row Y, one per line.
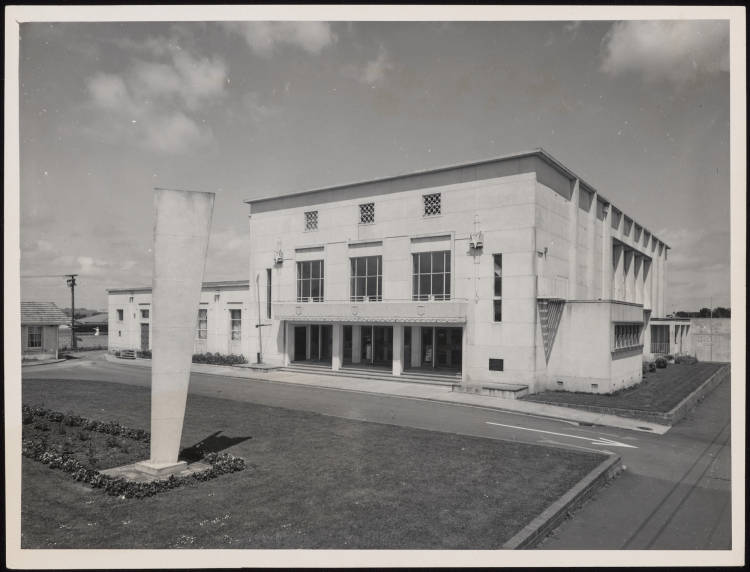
column 264, row 37
column 678, row 52
column 173, row 133
column 376, row 69
column 150, row 104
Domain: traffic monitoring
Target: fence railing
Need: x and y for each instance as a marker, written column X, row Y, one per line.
column 659, row 347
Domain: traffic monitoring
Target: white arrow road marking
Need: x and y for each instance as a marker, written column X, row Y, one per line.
column 552, row 442
column 592, row 440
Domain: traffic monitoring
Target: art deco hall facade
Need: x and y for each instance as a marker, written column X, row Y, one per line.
column 511, row 271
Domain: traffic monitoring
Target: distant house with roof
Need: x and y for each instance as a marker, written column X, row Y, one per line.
column 92, row 323
column 40, row 322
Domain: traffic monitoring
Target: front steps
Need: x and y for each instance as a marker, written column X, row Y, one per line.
column 434, row 377
column 446, row 378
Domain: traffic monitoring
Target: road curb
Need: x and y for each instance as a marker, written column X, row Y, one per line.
column 683, row 407
column 668, row 418
column 42, row 362
column 548, row 520
column 489, row 406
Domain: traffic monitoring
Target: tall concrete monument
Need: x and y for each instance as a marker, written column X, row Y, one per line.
column 181, row 230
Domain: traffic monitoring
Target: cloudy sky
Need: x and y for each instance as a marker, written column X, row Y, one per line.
column 110, row 110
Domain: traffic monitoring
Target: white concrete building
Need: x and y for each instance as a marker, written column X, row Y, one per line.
column 507, row 271
column 222, row 324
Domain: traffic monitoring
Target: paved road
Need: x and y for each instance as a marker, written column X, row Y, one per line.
column 674, row 494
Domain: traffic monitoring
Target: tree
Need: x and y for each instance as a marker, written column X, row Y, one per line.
column 721, row 312
column 704, row 313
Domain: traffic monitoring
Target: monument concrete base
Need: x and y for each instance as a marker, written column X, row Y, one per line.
column 146, row 471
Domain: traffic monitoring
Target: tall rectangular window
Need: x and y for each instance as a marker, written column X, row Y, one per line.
column 431, row 277
column 311, row 220
column 367, row 278
column 268, row 293
column 34, row 338
column 432, row 204
column 367, row 213
column 310, row 277
column 202, row 330
column 497, row 294
column 120, row 315
column 236, row 324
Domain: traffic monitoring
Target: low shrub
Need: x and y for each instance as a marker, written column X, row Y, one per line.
column 669, row 358
column 686, row 359
column 145, row 354
column 661, row 362
column 39, row 450
column 219, row 359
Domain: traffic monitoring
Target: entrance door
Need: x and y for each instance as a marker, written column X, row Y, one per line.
column 347, row 357
column 382, row 345
column 326, row 343
column 300, row 343
column 428, row 354
column 144, row 337
column 448, row 348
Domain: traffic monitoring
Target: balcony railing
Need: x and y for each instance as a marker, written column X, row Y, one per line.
column 659, row 347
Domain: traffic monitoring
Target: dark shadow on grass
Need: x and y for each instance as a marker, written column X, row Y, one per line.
column 214, row 443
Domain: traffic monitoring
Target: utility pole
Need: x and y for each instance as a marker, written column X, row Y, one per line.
column 72, row 284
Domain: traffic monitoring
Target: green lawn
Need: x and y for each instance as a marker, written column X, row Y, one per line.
column 660, row 391
column 312, row 482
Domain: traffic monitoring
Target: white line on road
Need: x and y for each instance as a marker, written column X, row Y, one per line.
column 592, row 440
column 552, row 442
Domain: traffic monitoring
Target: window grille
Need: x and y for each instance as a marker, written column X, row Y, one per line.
column 144, row 314
column 432, row 204
column 236, row 320
column 310, row 279
column 367, row 279
column 627, row 336
column 202, row 331
column 311, row 220
column 431, row 278
column 35, row 337
column 497, row 302
column 367, row 213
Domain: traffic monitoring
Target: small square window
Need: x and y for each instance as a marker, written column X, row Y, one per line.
column 367, row 213
column 144, row 314
column 496, row 364
column 432, row 204
column 311, row 220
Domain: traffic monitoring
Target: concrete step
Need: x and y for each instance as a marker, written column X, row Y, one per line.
column 127, row 354
column 374, row 373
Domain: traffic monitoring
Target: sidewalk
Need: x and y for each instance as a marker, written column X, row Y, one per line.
column 418, row 391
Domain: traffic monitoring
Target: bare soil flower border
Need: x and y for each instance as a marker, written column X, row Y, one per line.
column 38, row 450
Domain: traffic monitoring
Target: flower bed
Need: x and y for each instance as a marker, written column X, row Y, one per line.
column 46, row 440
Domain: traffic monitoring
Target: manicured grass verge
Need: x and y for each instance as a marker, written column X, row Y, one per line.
column 314, row 482
column 659, row 392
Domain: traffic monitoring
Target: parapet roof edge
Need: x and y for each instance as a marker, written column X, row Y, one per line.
column 538, row 152
column 217, row 284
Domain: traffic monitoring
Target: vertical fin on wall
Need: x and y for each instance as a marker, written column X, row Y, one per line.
column 550, row 314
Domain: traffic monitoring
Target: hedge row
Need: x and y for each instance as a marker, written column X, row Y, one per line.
column 209, row 358
column 109, row 427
